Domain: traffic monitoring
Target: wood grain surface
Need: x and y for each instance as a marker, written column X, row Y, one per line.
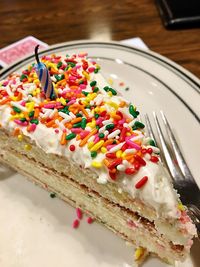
column 56, row 21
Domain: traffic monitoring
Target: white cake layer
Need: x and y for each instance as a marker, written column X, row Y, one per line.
column 172, row 231
column 121, row 221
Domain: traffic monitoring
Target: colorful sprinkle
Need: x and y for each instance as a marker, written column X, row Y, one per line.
column 141, row 183
column 130, row 171
column 133, row 111
column 75, row 223
column 97, row 146
column 96, row 164
column 72, row 148
column 93, row 83
column 83, row 123
column 114, row 163
column 79, row 213
column 20, row 137
column 27, row 147
column 90, row 220
column 139, row 252
column 52, row 195
column 79, row 114
column 138, row 125
column 70, row 136
column 181, row 207
column 152, row 143
column 154, row 159
column 93, row 154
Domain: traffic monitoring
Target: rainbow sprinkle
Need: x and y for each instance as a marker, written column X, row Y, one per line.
column 83, row 111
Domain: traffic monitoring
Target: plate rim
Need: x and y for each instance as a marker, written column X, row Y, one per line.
column 164, row 60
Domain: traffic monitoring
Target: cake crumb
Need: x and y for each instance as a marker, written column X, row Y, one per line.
column 120, row 191
column 27, row 147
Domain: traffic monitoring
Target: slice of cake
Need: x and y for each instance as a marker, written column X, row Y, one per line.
column 86, row 144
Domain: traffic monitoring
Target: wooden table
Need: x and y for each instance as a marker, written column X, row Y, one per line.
column 56, row 21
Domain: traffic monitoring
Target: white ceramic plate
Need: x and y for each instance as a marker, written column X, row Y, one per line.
column 35, row 230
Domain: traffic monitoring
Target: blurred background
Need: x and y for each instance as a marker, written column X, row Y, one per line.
column 61, row 20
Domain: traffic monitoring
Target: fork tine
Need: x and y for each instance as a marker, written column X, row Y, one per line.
column 179, row 156
column 149, row 128
column 176, row 175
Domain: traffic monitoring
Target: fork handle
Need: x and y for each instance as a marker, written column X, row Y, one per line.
column 194, row 213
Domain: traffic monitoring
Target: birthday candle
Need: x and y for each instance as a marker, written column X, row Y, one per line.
column 44, row 77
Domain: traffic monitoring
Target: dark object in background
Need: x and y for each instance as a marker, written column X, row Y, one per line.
column 177, row 14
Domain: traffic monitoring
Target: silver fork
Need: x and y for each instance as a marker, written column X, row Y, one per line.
column 183, row 180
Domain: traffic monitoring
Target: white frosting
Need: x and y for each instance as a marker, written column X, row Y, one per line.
column 158, row 192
